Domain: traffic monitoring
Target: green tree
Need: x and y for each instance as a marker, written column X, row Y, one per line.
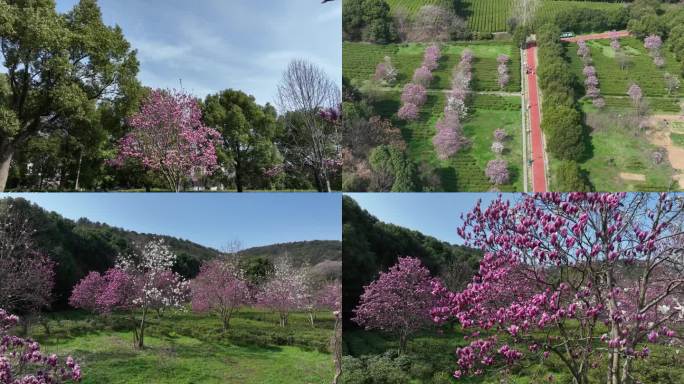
column 248, row 131
column 392, row 171
column 368, row 20
column 56, row 65
column 565, row 132
column 570, row 178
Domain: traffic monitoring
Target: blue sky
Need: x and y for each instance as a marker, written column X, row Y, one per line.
column 219, row 44
column 211, row 219
column 434, row 214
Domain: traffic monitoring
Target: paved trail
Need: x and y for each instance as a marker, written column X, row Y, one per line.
column 538, row 165
column 596, row 36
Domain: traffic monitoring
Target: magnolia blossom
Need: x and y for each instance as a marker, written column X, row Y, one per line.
column 23, row 362
column 634, row 93
column 408, row 112
column 285, row 291
column 449, row 138
column 500, row 135
column 220, row 287
column 624, row 251
column 398, row 301
column 502, row 70
column 498, row 147
column 497, row 171
column 422, row 76
column 385, row 72
column 168, row 136
column 415, row 94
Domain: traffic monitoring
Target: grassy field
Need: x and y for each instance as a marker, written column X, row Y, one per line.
column 491, row 15
column 614, row 81
column 465, row 171
column 431, row 360
column 616, row 149
column 182, row 347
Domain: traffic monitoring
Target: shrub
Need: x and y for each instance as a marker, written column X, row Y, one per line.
column 570, row 178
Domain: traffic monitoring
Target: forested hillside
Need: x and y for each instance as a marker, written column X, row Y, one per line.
column 81, row 246
column 371, row 246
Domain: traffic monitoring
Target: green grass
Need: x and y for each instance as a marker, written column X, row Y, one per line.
column 677, row 139
column 616, row 149
column 431, row 352
column 183, row 347
column 360, row 59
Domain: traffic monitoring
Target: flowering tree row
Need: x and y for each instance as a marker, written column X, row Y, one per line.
column 415, row 93
column 560, row 268
column 503, row 71
column 591, row 81
column 497, row 169
column 653, row 43
column 449, row 138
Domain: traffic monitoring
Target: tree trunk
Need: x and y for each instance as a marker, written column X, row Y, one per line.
column 402, row 343
column 614, row 367
column 141, row 338
column 626, row 368
column 6, row 154
column 283, row 320
column 238, row 172
column 226, row 322
column 78, row 171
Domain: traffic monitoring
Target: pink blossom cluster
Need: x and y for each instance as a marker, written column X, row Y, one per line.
column 285, row 291
column 497, row 171
column 449, row 138
column 399, row 300
column 653, row 43
column 168, row 136
column 591, row 81
column 220, row 287
column 22, row 361
column 415, row 94
column 385, row 72
column 502, row 70
column 498, row 145
column 635, row 94
column 521, row 291
column 615, row 41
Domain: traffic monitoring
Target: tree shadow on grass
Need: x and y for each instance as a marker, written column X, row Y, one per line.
column 449, row 178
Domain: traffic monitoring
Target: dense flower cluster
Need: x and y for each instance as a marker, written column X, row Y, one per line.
column 398, row 301
column 502, row 70
column 635, row 94
column 220, row 287
column 591, row 81
column 415, row 94
column 285, row 291
column 497, row 171
column 385, row 72
column 168, row 136
column 627, row 274
column 145, row 281
column 449, row 137
column 653, row 43
column 22, row 361
column 615, row 41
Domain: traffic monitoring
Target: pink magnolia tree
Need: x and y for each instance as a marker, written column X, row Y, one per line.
column 23, row 362
column 141, row 283
column 422, row 76
column 497, row 172
column 285, row 291
column 502, row 70
column 168, row 137
column 220, row 287
column 591, row 278
column 635, row 94
column 584, row 52
column 415, row 94
column 385, row 72
column 408, row 112
column 449, row 138
column 431, row 57
column 653, row 43
column 27, row 276
column 398, row 301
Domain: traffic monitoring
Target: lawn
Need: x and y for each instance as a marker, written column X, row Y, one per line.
column 182, row 347
column 431, row 354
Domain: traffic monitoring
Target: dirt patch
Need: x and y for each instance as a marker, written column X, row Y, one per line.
column 660, row 136
column 679, row 179
column 632, row 176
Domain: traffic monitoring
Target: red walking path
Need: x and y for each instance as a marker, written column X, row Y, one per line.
column 538, row 165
